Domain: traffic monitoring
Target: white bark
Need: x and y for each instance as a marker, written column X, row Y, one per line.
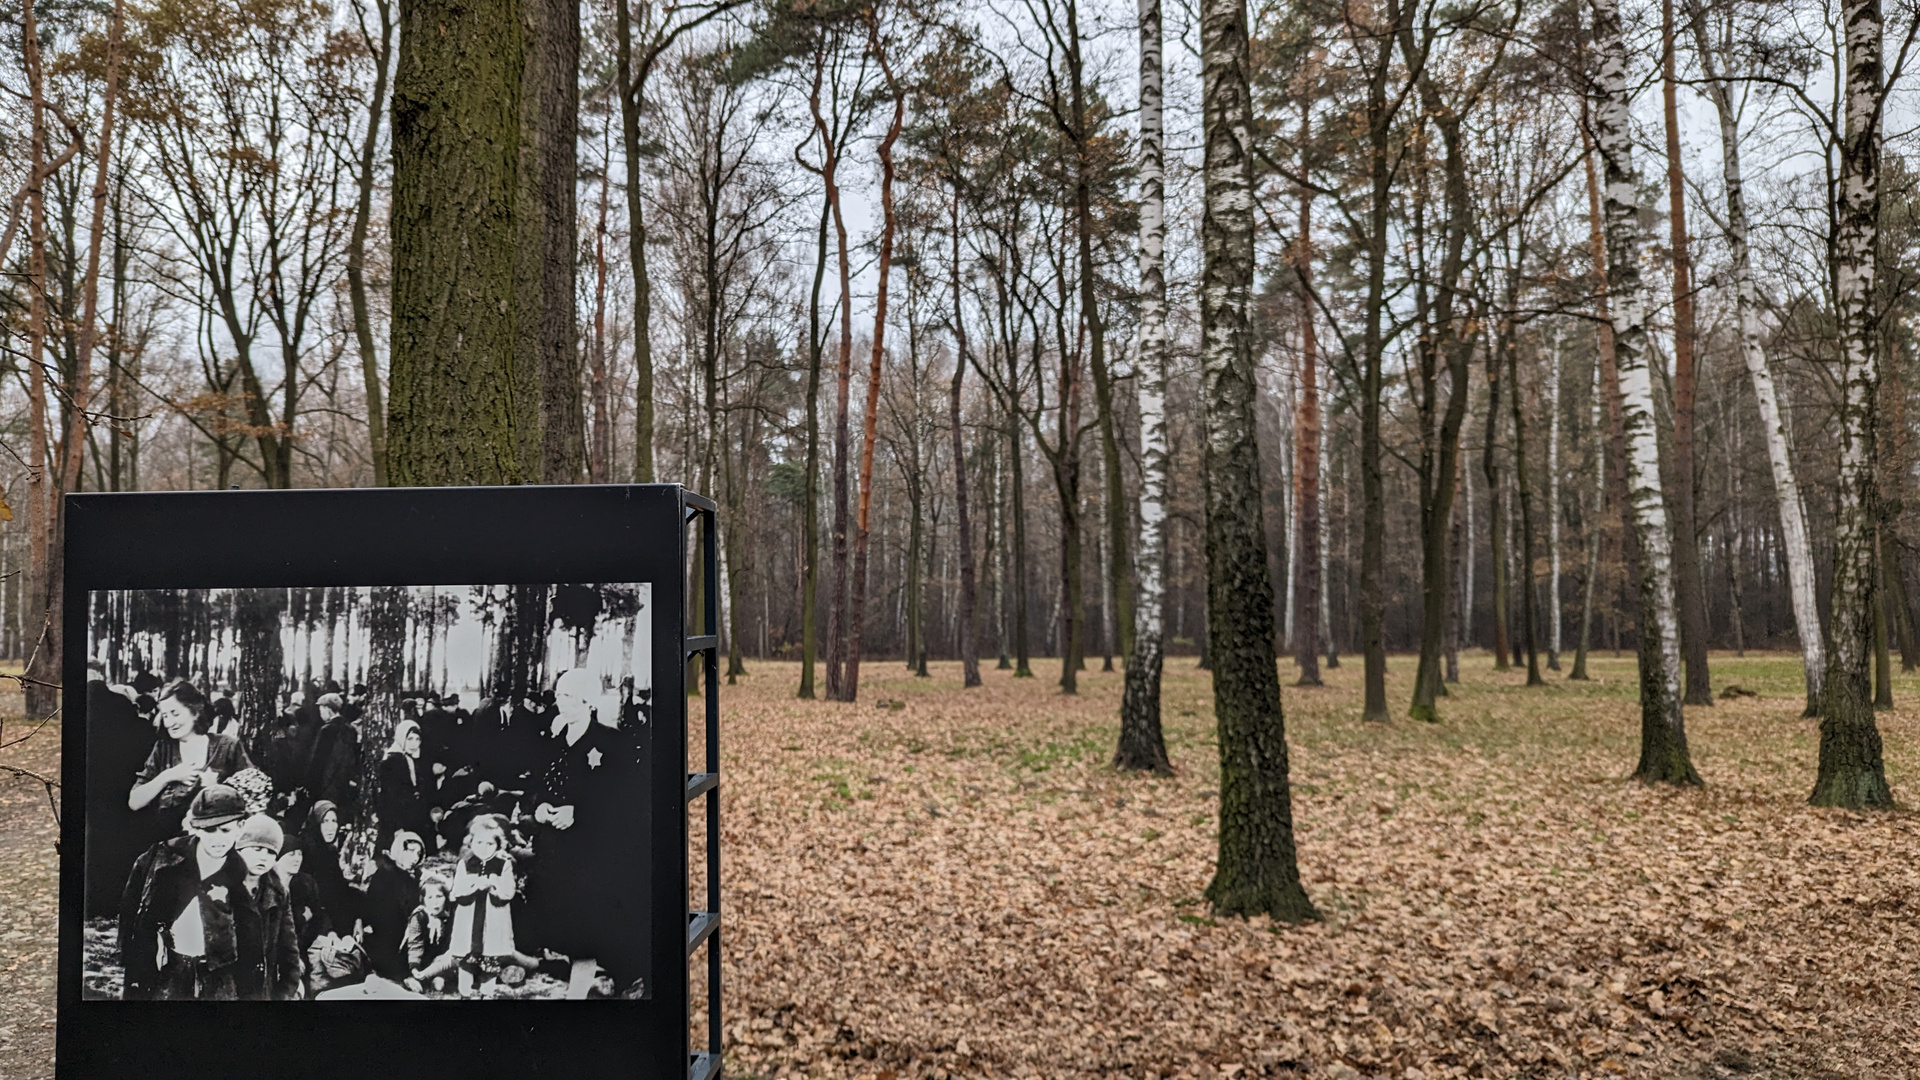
column 1663, row 739
column 1150, row 348
column 1141, row 743
column 1773, row 424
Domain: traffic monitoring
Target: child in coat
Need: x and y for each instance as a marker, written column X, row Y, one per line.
column 177, row 932
column 269, row 967
column 428, row 941
column 483, row 891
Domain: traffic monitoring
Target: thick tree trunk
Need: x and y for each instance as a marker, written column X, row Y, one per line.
column 969, row 648
column 1852, row 772
column 1663, row 740
column 548, row 252
column 1686, row 541
column 1796, row 544
column 1142, row 746
column 458, row 413
column 1257, row 870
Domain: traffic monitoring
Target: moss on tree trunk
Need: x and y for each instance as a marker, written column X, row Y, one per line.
column 458, row 410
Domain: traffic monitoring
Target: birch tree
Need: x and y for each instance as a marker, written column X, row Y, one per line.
column 1663, row 737
column 1794, row 539
column 1141, row 744
column 1257, row 871
column 1852, row 773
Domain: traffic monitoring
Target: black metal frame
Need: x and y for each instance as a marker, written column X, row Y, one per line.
column 703, row 927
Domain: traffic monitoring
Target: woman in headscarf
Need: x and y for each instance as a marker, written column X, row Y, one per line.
column 406, row 787
column 320, row 842
column 186, row 757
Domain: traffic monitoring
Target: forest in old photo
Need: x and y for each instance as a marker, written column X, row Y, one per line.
column 1447, row 468
column 382, row 746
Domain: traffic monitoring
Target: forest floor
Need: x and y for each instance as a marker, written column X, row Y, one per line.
column 933, row 882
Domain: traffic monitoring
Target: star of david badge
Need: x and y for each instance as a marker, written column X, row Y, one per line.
column 593, row 758
column 217, row 894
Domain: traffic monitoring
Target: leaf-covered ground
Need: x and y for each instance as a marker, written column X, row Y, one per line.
column 962, row 885
column 959, row 885
column 29, row 894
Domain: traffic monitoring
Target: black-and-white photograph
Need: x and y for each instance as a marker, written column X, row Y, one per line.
column 383, row 792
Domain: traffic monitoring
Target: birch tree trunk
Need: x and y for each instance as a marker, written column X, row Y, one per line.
column 1141, row 743
column 1663, row 738
column 1851, row 770
column 1794, row 539
column 1257, row 871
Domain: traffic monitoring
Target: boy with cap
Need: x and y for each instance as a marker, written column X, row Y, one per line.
column 269, row 948
column 177, row 935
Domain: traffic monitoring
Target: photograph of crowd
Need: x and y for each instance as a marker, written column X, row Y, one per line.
column 333, row 793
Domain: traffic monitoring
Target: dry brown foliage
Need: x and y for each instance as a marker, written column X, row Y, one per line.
column 962, row 886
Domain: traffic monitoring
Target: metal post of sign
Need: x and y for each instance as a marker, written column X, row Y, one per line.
column 703, row 927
